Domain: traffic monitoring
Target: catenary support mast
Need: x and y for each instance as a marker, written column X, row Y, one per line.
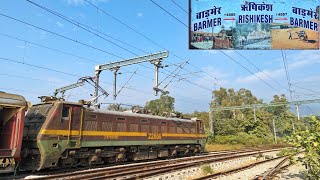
column 155, row 59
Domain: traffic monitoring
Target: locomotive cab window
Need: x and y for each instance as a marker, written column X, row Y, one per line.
column 65, row 112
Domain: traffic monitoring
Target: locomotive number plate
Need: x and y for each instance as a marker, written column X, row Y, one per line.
column 154, row 136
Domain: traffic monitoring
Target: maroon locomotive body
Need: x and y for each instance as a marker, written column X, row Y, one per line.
column 59, row 134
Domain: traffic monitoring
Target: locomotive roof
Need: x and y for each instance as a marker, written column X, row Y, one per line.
column 14, row 100
column 126, row 113
column 141, row 115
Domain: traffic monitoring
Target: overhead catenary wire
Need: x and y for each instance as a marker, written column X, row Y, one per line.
column 261, row 70
column 50, row 48
column 77, row 23
column 307, row 89
column 142, row 35
column 304, row 94
column 126, row 82
column 179, row 6
column 63, row 52
column 250, row 72
column 80, row 25
column 181, row 66
column 60, row 35
column 169, row 13
column 40, row 67
column 74, row 75
column 29, row 78
column 170, row 75
column 49, row 32
column 284, row 59
column 221, row 51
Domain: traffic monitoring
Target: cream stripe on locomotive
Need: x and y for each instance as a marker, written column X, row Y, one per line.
column 103, row 133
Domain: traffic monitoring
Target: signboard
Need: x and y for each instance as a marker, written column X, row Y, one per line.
column 254, row 24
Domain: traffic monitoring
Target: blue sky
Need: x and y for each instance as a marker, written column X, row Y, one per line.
column 151, row 21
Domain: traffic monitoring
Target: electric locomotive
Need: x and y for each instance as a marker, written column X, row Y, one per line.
column 60, row 134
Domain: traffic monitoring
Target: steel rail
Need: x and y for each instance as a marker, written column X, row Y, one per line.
column 147, row 170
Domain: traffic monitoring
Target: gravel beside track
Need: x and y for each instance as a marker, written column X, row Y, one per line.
column 294, row 172
column 245, row 171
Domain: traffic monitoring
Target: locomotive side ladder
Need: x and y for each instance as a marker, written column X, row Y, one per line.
column 73, row 127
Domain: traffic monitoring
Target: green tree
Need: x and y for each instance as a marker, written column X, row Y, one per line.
column 234, row 121
column 308, row 141
column 117, row 107
column 159, row 106
column 284, row 119
column 204, row 116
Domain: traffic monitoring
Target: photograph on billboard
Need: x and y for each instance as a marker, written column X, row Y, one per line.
column 239, row 24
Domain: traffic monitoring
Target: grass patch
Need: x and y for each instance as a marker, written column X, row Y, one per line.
column 206, row 169
column 226, row 147
column 223, row 147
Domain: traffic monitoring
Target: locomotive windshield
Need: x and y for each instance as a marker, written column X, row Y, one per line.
column 38, row 111
column 35, row 118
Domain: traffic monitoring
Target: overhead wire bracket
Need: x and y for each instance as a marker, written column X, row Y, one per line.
column 155, row 59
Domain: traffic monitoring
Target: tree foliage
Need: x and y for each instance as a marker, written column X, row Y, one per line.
column 159, row 106
column 117, row 107
column 309, row 142
column 257, row 125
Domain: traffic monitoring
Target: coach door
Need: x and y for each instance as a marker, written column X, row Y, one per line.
column 75, row 123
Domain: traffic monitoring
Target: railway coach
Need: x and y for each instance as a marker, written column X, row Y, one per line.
column 12, row 111
column 60, row 134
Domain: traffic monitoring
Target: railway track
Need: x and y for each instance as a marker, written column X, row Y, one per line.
column 275, row 170
column 148, row 169
column 22, row 175
column 237, row 169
